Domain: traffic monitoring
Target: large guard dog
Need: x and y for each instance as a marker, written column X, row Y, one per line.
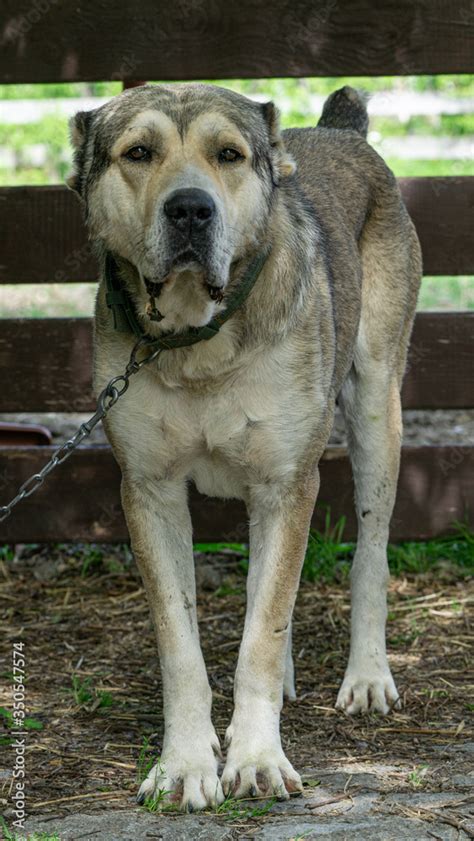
column 183, row 187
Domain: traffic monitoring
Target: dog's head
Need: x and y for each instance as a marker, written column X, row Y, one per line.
column 179, row 181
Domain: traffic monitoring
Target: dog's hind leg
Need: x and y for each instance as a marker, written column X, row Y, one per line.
column 371, row 406
column 160, row 529
column 289, row 691
column 370, row 401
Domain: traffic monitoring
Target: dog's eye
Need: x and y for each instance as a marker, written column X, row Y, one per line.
column 138, row 153
column 229, row 156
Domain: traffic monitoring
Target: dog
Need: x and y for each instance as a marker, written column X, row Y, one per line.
column 183, row 188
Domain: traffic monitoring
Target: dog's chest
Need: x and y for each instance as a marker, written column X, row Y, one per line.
column 253, row 429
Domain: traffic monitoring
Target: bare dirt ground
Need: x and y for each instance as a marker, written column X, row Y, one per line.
column 93, row 683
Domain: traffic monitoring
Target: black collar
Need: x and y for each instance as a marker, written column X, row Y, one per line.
column 126, row 321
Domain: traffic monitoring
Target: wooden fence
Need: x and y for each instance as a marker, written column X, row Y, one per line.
column 46, row 363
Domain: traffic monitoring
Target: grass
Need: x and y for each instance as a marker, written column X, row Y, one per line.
column 61, row 90
column 297, row 89
column 447, row 293
column 96, row 561
column 47, row 300
column 159, row 803
column 239, row 548
column 35, row 836
column 87, row 696
column 456, row 549
column 233, row 809
column 453, row 125
column 28, row 722
column 145, row 762
column 230, row 809
column 329, row 556
column 294, row 96
column 416, row 778
column 411, row 167
column 320, row 636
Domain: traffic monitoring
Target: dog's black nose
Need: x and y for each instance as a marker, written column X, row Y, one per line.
column 190, row 209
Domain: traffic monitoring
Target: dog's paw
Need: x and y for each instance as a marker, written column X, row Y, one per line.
column 368, row 691
column 187, row 781
column 254, row 768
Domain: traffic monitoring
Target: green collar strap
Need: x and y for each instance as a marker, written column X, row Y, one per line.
column 125, row 318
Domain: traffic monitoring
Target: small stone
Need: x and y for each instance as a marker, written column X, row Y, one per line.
column 208, row 577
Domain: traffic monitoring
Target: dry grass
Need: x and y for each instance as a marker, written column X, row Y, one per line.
column 93, row 678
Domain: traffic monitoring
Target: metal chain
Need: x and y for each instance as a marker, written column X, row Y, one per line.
column 107, row 398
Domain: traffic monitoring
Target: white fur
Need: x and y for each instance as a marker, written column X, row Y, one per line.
column 232, row 442
column 371, row 404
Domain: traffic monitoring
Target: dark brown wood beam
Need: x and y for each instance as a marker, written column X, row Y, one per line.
column 44, row 240
column 69, row 41
column 81, row 500
column 50, row 361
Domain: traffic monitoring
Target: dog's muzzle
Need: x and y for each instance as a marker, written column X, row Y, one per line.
column 192, row 225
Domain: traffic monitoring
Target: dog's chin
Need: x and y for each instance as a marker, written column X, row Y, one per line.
column 188, row 267
column 189, row 263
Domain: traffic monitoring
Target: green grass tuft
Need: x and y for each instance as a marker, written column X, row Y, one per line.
column 232, row 809
column 87, row 696
column 8, row 835
column 329, row 556
column 146, row 760
column 28, row 722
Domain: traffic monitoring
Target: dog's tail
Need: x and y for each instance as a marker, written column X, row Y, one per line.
column 346, row 109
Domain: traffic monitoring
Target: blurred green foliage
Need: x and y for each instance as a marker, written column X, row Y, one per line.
column 60, row 90
column 409, row 167
column 297, row 89
column 447, row 293
column 294, row 96
column 295, row 99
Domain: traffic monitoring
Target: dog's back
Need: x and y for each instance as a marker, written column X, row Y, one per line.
column 356, row 200
column 338, row 170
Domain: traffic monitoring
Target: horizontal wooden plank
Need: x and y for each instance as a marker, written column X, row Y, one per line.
column 47, row 364
column 50, row 42
column 440, row 368
column 43, row 237
column 44, row 240
column 443, row 212
column 51, row 361
column 81, row 499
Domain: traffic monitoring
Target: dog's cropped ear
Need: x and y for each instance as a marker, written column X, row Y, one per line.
column 283, row 163
column 79, row 126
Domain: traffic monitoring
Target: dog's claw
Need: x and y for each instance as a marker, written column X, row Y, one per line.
column 368, row 693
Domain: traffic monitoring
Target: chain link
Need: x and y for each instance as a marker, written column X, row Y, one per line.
column 107, row 398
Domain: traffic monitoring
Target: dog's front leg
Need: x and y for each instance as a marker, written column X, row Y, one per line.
column 160, row 529
column 279, row 524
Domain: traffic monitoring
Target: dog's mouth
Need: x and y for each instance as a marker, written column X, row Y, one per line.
column 188, row 260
